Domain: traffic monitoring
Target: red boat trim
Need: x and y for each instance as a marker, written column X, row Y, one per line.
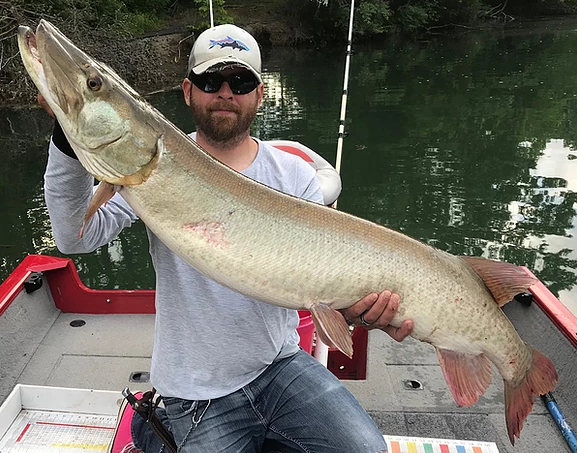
column 72, row 296
column 558, row 313
column 12, row 286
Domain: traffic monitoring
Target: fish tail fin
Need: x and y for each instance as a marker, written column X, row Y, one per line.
column 539, row 379
column 467, row 375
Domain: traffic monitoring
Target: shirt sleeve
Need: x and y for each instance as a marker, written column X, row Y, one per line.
column 68, row 189
column 308, row 185
column 313, row 191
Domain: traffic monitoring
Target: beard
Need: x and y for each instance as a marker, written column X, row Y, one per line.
column 223, row 131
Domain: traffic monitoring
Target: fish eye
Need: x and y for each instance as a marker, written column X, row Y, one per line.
column 94, row 83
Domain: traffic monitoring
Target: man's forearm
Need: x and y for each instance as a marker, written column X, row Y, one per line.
column 67, row 192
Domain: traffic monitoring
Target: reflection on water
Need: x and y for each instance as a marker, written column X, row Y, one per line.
column 558, row 161
column 465, row 143
column 556, row 183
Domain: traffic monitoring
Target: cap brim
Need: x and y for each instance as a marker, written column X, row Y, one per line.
column 202, row 68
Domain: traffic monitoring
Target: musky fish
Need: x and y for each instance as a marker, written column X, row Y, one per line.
column 280, row 249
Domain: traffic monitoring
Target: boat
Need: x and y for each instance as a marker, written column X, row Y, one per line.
column 68, row 351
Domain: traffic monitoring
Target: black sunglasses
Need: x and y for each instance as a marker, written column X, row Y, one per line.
column 239, row 83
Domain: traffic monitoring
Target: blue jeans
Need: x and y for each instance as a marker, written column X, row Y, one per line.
column 295, row 406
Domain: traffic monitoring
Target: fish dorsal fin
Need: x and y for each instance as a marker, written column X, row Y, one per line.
column 503, row 280
column 332, row 328
column 467, row 375
column 104, row 192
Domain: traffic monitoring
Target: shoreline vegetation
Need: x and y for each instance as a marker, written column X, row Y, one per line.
column 147, row 41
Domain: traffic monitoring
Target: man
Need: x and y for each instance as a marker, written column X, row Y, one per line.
column 229, row 367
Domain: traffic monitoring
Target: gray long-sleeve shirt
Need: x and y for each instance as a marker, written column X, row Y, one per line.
column 209, row 340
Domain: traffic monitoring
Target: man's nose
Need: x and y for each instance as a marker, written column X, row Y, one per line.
column 225, row 91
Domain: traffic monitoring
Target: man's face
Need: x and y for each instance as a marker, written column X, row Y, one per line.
column 222, row 116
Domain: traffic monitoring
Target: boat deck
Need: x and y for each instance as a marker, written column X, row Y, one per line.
column 404, row 391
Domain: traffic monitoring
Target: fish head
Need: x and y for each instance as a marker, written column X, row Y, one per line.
column 106, row 122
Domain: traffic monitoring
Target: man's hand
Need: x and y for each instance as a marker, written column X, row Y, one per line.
column 44, row 105
column 378, row 310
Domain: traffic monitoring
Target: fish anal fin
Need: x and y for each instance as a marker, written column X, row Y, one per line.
column 332, row 328
column 539, row 380
column 104, row 192
column 503, row 280
column 467, row 375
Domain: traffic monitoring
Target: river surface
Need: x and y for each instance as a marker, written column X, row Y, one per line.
column 465, row 142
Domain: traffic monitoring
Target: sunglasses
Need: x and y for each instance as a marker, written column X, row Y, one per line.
column 239, row 83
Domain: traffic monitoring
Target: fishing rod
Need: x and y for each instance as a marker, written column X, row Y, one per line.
column 345, row 93
column 560, row 420
column 321, row 352
column 211, row 13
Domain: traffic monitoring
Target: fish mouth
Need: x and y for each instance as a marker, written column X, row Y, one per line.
column 31, row 57
column 26, row 34
column 50, row 59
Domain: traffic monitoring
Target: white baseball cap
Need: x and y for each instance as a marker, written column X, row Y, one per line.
column 225, row 45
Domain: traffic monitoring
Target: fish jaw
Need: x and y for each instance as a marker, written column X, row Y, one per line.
column 31, row 60
column 101, row 116
column 44, row 58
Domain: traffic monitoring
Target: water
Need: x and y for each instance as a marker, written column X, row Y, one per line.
column 464, row 142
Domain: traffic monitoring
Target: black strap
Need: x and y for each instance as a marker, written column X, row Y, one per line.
column 146, row 408
column 61, row 142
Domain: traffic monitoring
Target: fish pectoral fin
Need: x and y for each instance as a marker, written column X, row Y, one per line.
column 539, row 380
column 104, row 192
column 503, row 280
column 467, row 375
column 332, row 328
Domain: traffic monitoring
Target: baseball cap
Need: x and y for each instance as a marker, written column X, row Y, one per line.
column 225, row 45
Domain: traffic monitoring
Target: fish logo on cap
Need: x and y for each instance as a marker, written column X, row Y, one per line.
column 228, row 42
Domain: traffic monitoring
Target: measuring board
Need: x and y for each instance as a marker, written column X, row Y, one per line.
column 398, row 444
column 41, row 431
column 39, row 419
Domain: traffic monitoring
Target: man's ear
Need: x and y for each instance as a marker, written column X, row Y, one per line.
column 186, row 89
column 260, row 92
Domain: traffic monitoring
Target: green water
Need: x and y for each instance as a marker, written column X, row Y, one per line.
column 464, row 142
